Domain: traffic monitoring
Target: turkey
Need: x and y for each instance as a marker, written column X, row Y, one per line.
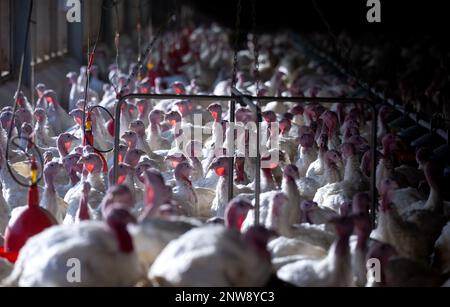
column 397, row 271
column 289, row 188
column 441, row 255
column 104, row 250
column 44, row 135
column 152, row 234
column 13, row 193
column 429, row 215
column 407, row 238
column 284, row 249
column 334, row 194
column 72, row 167
column 154, row 139
column 317, row 168
column 58, row 119
column 359, row 253
column 333, row 270
column 220, row 167
column 228, row 258
column 92, row 166
column 313, row 214
column 307, row 153
column 81, row 212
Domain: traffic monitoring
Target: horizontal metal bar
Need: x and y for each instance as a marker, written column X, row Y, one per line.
column 344, row 100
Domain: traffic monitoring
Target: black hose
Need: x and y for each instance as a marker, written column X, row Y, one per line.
column 11, row 127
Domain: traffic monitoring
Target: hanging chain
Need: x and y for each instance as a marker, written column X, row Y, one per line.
column 91, row 56
column 139, row 35
column 117, row 37
column 337, row 45
column 255, row 48
column 236, row 43
column 144, row 56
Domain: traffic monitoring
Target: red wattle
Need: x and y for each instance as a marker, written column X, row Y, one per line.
column 110, row 127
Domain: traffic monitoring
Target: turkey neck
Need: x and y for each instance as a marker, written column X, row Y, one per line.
column 307, row 218
column 351, row 168
column 154, row 129
column 83, row 211
column 434, row 202
column 73, row 177
column 40, row 129
column 306, row 152
column 185, row 183
column 289, row 187
column 96, row 181
column 50, row 183
column 268, row 180
column 340, row 252
column 361, row 241
column 198, row 168
column 62, row 149
column 123, row 238
column 383, row 126
column 331, row 173
column 240, row 173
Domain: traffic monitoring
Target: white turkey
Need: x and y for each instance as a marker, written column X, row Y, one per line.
column 50, row 198
column 214, row 256
column 104, row 251
column 333, row 270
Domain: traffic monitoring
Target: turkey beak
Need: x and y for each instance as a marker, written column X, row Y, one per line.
column 82, row 160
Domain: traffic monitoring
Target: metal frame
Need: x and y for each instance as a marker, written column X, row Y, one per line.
column 246, row 99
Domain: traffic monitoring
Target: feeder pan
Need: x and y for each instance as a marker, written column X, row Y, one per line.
column 10, row 256
column 30, row 221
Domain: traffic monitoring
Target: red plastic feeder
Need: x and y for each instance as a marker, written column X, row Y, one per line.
column 10, row 256
column 29, row 222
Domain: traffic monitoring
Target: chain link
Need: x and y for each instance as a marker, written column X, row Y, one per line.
column 236, row 43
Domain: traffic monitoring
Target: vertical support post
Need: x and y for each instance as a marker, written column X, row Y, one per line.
column 117, row 138
column 258, row 163
column 373, row 164
column 230, row 146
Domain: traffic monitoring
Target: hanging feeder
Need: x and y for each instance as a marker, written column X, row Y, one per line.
column 31, row 221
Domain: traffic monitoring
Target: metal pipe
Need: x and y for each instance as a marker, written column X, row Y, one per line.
column 373, row 164
column 266, row 99
column 230, row 146
column 258, row 164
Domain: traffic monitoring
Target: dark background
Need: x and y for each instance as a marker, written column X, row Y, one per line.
column 398, row 16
